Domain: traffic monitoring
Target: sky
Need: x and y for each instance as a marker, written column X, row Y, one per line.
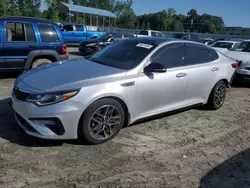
column 235, row 13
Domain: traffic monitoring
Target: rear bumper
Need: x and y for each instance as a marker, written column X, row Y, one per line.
column 63, row 57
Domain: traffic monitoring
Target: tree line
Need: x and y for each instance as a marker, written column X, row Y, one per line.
column 165, row 20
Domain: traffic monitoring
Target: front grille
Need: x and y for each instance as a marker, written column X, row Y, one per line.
column 25, row 123
column 20, row 95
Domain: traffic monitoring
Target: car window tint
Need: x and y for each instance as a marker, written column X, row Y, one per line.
column 79, row 27
column 153, row 34
column 48, row 33
column 15, row 32
column 68, row 28
column 170, row 56
column 30, row 35
column 197, row 54
column 125, row 54
column 222, row 45
column 143, row 33
column 127, row 36
column 193, row 37
column 117, row 37
column 213, row 54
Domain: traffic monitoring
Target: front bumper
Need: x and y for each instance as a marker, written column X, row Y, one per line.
column 58, row 121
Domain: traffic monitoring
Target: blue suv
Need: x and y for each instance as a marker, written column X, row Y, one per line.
column 27, row 43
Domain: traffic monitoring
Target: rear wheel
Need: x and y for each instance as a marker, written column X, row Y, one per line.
column 39, row 62
column 102, row 121
column 217, row 96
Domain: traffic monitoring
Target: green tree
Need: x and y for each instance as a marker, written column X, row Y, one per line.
column 138, row 24
column 143, row 25
column 4, row 7
column 177, row 26
column 148, row 26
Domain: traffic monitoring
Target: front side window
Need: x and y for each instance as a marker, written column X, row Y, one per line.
column 125, row 54
column 197, row 54
column 117, row 37
column 143, row 33
column 79, row 27
column 48, row 33
column 171, row 56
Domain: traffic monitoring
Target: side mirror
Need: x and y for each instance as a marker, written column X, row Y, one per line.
column 154, row 67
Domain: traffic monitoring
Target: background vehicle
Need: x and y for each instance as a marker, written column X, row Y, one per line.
column 241, row 53
column 29, row 42
column 75, row 33
column 128, row 80
column 224, row 45
column 185, row 36
column 208, row 41
column 90, row 46
column 149, row 33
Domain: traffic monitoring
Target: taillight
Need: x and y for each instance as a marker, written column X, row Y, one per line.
column 64, row 49
column 235, row 65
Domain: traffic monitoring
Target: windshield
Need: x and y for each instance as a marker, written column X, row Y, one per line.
column 105, row 36
column 176, row 35
column 242, row 47
column 222, row 45
column 125, row 54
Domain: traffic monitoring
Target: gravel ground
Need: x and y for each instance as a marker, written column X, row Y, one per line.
column 189, row 149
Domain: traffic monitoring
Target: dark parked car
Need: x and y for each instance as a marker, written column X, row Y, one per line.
column 93, row 45
column 27, row 43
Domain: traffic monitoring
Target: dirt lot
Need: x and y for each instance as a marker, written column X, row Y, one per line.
column 194, row 148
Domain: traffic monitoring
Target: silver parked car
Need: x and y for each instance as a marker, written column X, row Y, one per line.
column 129, row 80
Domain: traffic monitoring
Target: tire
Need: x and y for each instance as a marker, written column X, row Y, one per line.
column 90, row 129
column 40, row 62
column 217, row 96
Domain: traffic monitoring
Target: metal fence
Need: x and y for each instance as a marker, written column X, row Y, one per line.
column 166, row 33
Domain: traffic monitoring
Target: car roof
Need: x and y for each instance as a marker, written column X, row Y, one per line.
column 153, row 40
column 22, row 18
column 227, row 41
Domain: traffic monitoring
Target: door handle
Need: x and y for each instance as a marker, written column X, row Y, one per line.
column 214, row 69
column 180, row 75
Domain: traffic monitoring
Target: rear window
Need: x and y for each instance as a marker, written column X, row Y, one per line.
column 213, row 54
column 48, row 33
column 125, row 54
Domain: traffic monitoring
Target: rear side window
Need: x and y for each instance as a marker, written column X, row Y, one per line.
column 48, row 33
column 153, row 34
column 170, row 56
column 79, row 27
column 197, row 54
column 213, row 54
column 19, row 32
column 15, row 32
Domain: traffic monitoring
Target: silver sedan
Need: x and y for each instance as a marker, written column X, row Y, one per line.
column 129, row 80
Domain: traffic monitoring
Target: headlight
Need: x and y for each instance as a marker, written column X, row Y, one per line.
column 91, row 44
column 50, row 98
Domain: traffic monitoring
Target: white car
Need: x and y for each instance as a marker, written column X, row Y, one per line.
column 149, row 33
column 222, row 46
column 241, row 53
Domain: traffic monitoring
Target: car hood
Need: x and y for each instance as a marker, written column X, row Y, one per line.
column 70, row 74
column 241, row 56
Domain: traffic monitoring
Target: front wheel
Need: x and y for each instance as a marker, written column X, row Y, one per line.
column 217, row 96
column 102, row 121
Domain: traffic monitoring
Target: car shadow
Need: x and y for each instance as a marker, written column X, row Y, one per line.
column 4, row 75
column 10, row 130
column 76, row 53
column 232, row 173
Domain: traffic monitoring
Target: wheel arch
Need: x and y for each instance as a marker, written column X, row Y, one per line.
column 118, row 98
